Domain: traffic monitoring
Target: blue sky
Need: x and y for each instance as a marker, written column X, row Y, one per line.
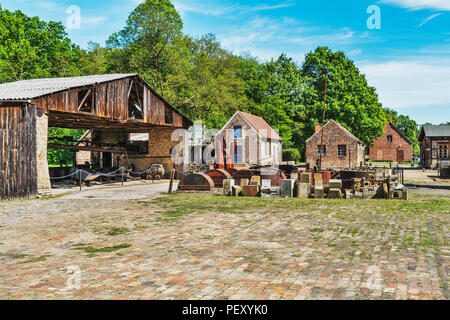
column 407, row 59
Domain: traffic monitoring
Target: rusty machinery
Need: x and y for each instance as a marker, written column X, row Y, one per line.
column 196, row 181
column 218, row 175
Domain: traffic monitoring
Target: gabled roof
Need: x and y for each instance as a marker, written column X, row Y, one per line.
column 260, row 125
column 434, row 131
column 399, row 132
column 257, row 123
column 343, row 129
column 29, row 89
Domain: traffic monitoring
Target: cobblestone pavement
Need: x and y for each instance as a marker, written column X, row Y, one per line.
column 140, row 249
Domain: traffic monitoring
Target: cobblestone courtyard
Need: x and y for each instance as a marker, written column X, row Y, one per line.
column 211, row 247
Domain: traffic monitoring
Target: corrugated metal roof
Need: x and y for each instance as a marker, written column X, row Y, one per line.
column 436, row 131
column 29, row 89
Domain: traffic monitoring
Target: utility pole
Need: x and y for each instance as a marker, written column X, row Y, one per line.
column 325, row 72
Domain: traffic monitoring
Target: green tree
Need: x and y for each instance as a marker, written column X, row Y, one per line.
column 410, row 129
column 56, row 156
column 275, row 90
column 350, row 100
column 149, row 31
column 94, row 60
column 31, row 48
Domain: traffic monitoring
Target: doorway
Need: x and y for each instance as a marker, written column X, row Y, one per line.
column 400, row 156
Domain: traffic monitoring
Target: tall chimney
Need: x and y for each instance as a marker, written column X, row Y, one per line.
column 317, row 127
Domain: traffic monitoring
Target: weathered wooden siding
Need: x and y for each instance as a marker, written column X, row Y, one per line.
column 18, row 152
column 111, row 102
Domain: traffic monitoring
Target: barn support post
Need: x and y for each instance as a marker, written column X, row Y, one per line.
column 43, row 176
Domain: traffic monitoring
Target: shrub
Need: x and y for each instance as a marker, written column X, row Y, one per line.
column 291, row 155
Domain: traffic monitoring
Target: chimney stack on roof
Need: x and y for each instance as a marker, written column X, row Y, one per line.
column 317, row 127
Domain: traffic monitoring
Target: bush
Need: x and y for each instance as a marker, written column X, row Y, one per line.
column 292, row 155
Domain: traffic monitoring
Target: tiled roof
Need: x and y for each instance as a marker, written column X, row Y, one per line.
column 259, row 124
column 29, row 89
column 345, row 131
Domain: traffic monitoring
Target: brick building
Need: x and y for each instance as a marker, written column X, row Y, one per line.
column 434, row 145
column 391, row 146
column 250, row 140
column 341, row 149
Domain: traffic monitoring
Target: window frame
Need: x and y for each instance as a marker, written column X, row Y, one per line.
column 324, row 154
column 340, row 146
column 389, row 138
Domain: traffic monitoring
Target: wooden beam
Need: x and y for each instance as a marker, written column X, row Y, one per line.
column 81, row 148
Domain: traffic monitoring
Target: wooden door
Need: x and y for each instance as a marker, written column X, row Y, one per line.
column 400, row 155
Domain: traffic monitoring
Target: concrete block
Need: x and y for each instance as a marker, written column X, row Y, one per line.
column 236, row 191
column 271, row 192
column 244, row 182
column 358, row 195
column 255, row 181
column 303, row 189
column 318, row 179
column 287, row 188
column 294, row 175
column 228, row 187
column 250, row 191
column 349, row 194
column 335, row 194
column 266, row 184
column 318, row 192
column 335, row 184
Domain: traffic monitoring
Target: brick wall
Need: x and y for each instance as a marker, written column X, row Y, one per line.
column 383, row 150
column 43, row 175
column 335, row 135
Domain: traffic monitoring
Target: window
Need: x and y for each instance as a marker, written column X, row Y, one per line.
column 136, row 101
column 389, row 138
column 86, row 101
column 342, row 150
column 137, row 143
column 324, row 151
column 168, row 116
column 443, row 152
column 238, row 132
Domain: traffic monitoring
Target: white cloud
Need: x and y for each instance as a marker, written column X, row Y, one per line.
column 428, row 19
column 420, row 4
column 212, row 9
column 414, row 83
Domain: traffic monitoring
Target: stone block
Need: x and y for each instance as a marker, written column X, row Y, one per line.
column 405, row 194
column 228, row 187
column 266, row 184
column 255, row 181
column 244, row 182
column 318, row 179
column 287, row 188
column 303, row 189
column 349, row 194
column 318, row 192
column 305, row 177
column 250, row 191
column 236, row 191
column 294, row 175
column 335, row 184
column 335, row 194
column 271, row 192
column 358, row 195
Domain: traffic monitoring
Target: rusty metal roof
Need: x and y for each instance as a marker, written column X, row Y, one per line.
column 260, row 125
column 29, row 89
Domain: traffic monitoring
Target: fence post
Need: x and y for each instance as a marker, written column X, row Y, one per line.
column 121, row 169
column 172, row 177
column 80, row 178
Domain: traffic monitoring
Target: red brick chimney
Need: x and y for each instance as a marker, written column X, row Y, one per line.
column 317, row 127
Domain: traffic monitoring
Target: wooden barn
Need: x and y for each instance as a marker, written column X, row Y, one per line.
column 116, row 105
column 434, row 145
column 393, row 145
